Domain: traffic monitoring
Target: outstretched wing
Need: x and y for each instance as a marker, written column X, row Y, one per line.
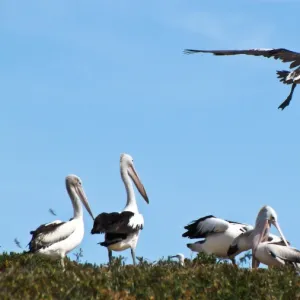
column 284, row 55
column 50, row 233
column 124, row 222
column 202, row 227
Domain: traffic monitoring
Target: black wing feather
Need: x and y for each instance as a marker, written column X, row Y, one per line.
column 193, row 228
column 113, row 222
column 283, row 54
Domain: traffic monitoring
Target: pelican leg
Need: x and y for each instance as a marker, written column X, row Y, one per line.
column 133, row 256
column 110, row 256
column 255, row 263
column 233, row 261
column 62, row 261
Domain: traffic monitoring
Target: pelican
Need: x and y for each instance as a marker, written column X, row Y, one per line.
column 122, row 228
column 287, row 77
column 180, row 257
column 58, row 238
column 277, row 254
column 218, row 235
column 261, row 232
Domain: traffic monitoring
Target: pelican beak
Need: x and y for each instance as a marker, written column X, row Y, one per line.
column 173, row 256
column 259, row 234
column 84, row 199
column 275, row 223
column 134, row 176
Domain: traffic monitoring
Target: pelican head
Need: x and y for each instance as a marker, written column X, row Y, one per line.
column 74, row 183
column 180, row 257
column 265, row 218
column 126, row 164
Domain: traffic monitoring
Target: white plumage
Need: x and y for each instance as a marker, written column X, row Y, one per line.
column 217, row 235
column 58, row 238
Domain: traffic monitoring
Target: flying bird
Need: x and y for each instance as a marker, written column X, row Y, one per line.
column 52, row 212
column 58, row 238
column 122, row 229
column 291, row 77
column 18, row 243
column 216, row 234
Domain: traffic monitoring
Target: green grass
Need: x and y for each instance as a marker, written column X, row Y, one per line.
column 24, row 276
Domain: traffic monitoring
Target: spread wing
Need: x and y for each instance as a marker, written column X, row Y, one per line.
column 243, row 227
column 124, row 222
column 204, row 226
column 284, row 55
column 50, row 233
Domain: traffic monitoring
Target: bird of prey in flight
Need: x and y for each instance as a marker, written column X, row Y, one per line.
column 291, row 77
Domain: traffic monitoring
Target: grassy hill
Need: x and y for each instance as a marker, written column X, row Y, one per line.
column 23, row 276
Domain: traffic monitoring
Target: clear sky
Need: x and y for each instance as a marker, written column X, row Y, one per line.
column 83, row 81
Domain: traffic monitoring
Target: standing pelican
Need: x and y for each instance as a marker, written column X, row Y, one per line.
column 218, row 235
column 287, row 77
column 122, row 228
column 58, row 238
column 180, row 257
column 261, row 232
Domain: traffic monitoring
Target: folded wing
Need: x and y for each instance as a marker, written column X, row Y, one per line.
column 49, row 234
column 124, row 222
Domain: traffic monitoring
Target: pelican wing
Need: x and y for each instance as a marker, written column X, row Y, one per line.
column 204, row 226
column 279, row 53
column 124, row 222
column 286, row 254
column 243, row 227
column 50, row 233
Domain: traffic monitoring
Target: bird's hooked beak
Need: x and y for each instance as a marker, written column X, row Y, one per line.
column 173, row 256
column 84, row 200
column 135, row 178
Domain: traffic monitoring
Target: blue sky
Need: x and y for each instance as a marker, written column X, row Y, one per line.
column 82, row 82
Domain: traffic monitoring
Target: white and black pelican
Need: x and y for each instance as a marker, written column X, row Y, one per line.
column 276, row 254
column 122, row 228
column 58, row 238
column 218, row 234
column 287, row 77
column 180, row 258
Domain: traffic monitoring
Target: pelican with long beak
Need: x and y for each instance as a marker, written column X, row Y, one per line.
column 58, row 238
column 180, row 258
column 122, row 228
column 265, row 218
